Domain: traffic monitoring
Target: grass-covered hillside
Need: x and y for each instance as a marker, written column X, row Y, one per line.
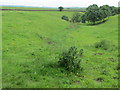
column 32, row 42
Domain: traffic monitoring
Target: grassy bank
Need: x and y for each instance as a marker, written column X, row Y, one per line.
column 32, row 42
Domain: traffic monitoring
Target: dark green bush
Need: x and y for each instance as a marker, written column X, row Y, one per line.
column 65, row 18
column 70, row 59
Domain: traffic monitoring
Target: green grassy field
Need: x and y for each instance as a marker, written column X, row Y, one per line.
column 32, row 42
column 1, row 50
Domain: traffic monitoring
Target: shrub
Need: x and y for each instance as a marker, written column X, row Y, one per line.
column 65, row 18
column 70, row 59
column 102, row 44
column 105, row 45
column 76, row 18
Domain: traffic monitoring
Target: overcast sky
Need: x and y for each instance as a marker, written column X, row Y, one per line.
column 56, row 3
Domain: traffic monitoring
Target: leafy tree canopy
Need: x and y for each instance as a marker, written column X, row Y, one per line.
column 60, row 8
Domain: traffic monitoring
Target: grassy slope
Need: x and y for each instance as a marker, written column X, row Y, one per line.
column 32, row 40
column 0, row 50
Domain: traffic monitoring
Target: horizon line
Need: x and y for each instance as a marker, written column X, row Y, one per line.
column 39, row 6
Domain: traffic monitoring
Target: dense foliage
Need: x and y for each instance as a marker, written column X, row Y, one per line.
column 76, row 18
column 70, row 59
column 65, row 18
column 60, row 8
column 118, row 10
column 94, row 13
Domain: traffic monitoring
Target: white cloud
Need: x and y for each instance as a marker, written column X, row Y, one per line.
column 56, row 3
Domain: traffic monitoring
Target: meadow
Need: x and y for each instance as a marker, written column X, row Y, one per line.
column 32, row 42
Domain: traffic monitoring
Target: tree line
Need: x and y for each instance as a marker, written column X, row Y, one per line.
column 94, row 13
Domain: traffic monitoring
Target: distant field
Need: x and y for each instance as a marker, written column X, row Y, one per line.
column 33, row 8
column 32, row 42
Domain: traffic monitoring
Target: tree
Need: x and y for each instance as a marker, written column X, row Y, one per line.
column 118, row 10
column 76, row 17
column 92, row 14
column 114, row 10
column 110, row 10
column 105, row 11
column 83, row 18
column 60, row 8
